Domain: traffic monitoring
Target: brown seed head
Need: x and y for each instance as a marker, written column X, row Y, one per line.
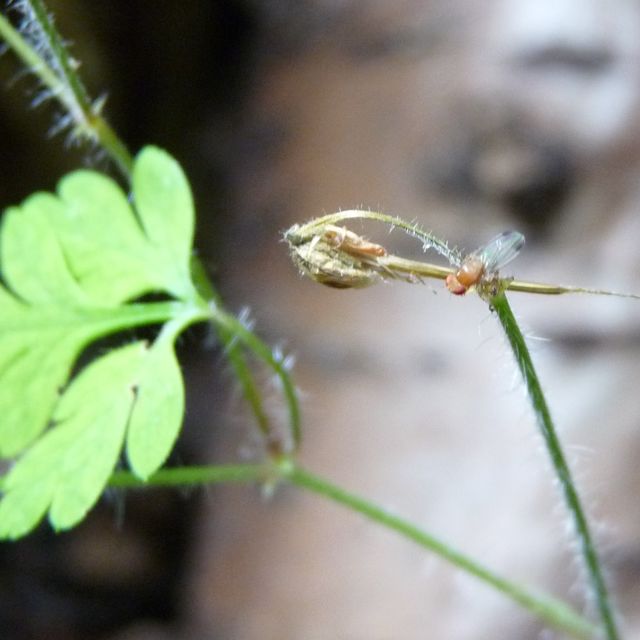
column 335, row 256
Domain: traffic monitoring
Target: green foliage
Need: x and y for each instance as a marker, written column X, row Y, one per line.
column 73, row 265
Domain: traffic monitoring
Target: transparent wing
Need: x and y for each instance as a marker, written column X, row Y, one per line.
column 500, row 251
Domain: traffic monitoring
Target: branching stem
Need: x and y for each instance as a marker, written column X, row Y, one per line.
column 555, row 612
column 56, row 71
column 231, row 328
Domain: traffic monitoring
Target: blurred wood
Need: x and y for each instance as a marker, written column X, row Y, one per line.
column 411, row 398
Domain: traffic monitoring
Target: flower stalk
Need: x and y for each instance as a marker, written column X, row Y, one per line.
column 333, row 255
column 337, row 257
column 502, row 309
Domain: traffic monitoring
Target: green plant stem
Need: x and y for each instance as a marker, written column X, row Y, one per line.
column 29, row 56
column 60, row 54
column 231, row 331
column 233, row 327
column 143, row 313
column 558, row 460
column 190, row 476
column 111, row 143
column 555, row 612
column 429, row 240
column 65, row 85
column 243, row 373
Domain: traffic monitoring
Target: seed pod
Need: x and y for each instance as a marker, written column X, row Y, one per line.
column 335, row 256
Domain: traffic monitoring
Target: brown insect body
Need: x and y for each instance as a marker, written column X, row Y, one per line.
column 469, row 274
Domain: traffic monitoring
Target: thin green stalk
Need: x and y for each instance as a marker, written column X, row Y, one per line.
column 558, row 460
column 60, row 55
column 554, row 612
column 233, row 327
column 191, row 476
column 141, row 314
column 250, row 388
column 58, row 75
column 111, row 143
column 429, row 240
column 230, row 330
column 29, row 56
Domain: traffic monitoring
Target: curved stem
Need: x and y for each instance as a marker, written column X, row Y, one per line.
column 111, row 143
column 429, row 240
column 558, row 460
column 243, row 373
column 234, row 329
column 555, row 612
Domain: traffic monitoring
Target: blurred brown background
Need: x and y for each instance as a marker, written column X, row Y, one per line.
column 469, row 117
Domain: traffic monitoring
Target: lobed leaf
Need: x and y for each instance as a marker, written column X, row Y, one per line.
column 67, row 469
column 157, row 414
column 72, row 263
column 165, row 207
column 116, row 255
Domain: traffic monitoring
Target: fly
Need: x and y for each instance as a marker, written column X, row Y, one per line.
column 484, row 263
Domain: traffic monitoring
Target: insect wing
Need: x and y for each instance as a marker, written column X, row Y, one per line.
column 500, row 251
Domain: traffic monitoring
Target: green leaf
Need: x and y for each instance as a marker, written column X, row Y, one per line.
column 68, row 467
column 33, row 264
column 107, row 251
column 165, row 207
column 72, row 262
column 157, row 415
column 116, row 255
column 29, row 381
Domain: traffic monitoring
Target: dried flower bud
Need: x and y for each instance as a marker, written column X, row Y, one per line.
column 335, row 256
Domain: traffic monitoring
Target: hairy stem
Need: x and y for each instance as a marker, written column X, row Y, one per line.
column 230, row 326
column 59, row 57
column 558, row 460
column 554, row 612
column 428, row 239
column 50, row 62
column 250, row 388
